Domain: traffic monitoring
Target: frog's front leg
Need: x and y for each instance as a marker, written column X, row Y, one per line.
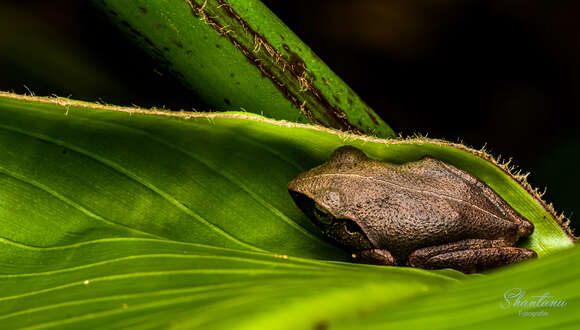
column 376, row 257
column 469, row 256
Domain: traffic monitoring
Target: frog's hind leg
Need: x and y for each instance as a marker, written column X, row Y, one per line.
column 469, row 256
column 376, row 257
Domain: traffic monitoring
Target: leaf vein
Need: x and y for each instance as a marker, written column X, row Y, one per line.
column 120, row 169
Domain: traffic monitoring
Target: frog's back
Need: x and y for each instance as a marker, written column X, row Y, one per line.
column 405, row 207
column 426, row 203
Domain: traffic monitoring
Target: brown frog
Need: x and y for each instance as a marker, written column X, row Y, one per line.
column 426, row 213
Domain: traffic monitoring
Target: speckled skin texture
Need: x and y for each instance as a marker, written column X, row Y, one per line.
column 426, row 213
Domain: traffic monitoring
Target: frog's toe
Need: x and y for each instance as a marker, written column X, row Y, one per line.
column 525, row 228
column 377, row 257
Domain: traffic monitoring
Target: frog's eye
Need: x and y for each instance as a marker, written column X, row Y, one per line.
column 351, row 228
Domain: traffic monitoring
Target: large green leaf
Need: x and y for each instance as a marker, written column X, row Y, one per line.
column 132, row 218
column 237, row 53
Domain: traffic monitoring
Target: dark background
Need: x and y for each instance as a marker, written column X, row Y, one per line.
column 502, row 73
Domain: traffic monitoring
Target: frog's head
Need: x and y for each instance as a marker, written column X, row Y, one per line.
column 325, row 200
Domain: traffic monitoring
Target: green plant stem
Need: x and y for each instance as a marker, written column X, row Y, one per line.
column 238, row 55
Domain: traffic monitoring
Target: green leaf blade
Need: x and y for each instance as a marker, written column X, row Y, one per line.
column 172, row 273
column 105, row 233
